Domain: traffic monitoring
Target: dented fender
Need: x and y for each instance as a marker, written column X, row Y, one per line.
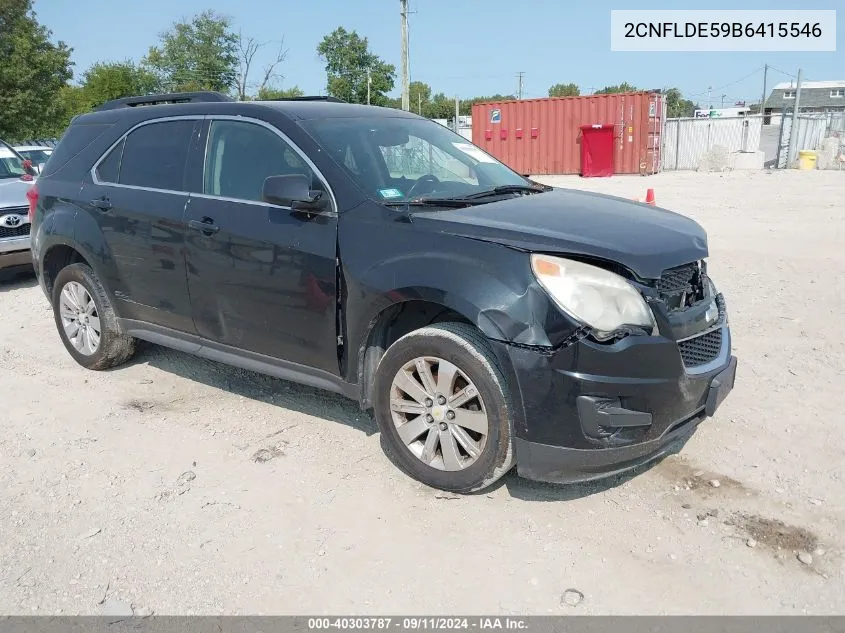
column 489, row 284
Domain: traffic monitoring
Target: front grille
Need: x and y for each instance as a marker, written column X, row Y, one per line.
column 18, row 231
column 701, row 349
column 679, row 279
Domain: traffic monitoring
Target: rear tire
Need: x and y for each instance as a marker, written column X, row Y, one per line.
column 444, row 408
column 86, row 320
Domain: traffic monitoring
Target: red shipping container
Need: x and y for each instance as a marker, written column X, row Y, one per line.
column 554, row 145
column 596, row 151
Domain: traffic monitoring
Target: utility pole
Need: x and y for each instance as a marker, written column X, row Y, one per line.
column 709, row 100
column 369, row 84
column 763, row 100
column 723, row 100
column 793, row 131
column 419, row 103
column 406, row 94
column 520, row 74
column 457, row 112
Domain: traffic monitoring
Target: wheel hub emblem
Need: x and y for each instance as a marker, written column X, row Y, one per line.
column 438, row 413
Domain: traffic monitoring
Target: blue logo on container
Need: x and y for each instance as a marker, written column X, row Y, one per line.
column 496, row 116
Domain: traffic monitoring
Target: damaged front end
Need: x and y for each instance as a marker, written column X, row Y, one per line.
column 598, row 402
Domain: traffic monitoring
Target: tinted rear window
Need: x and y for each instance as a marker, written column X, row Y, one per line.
column 154, row 155
column 76, row 138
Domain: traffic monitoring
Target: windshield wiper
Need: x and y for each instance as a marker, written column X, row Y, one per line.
column 505, row 189
column 431, row 202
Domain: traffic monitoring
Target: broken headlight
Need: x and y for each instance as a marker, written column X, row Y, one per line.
column 596, row 297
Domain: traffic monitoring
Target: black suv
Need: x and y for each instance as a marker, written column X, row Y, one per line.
column 485, row 319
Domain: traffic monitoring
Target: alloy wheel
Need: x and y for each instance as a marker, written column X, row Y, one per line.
column 438, row 413
column 80, row 319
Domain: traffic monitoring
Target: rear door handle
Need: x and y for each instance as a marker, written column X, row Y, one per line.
column 206, row 226
column 103, row 204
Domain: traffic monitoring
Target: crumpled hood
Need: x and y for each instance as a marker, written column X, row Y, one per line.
column 13, row 193
column 644, row 239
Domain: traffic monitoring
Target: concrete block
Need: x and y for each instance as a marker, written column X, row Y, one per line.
column 747, row 160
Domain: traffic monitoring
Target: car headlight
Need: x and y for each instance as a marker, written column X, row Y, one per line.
column 596, row 297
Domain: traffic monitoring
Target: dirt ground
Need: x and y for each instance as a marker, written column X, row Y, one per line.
column 176, row 485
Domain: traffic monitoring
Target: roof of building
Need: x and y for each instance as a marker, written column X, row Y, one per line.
column 807, row 85
column 814, row 94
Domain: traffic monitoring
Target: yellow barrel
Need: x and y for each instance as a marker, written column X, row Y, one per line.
column 806, row 159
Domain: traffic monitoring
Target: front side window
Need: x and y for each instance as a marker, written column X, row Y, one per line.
column 154, row 155
column 398, row 158
column 240, row 156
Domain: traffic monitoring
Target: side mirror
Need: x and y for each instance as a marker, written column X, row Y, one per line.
column 294, row 191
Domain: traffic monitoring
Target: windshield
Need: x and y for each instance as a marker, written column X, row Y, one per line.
column 11, row 165
column 37, row 156
column 395, row 159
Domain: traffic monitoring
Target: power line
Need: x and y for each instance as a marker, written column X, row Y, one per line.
column 727, row 85
column 782, row 72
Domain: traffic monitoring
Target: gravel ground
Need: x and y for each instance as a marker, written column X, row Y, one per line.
column 176, row 485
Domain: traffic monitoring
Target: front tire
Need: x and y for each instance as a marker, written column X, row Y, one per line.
column 86, row 320
column 444, row 408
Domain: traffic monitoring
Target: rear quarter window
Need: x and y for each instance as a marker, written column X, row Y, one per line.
column 109, row 168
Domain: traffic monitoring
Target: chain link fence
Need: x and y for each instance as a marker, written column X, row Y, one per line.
column 688, row 142
column 823, row 131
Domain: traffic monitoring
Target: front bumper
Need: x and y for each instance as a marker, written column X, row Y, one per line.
column 15, row 252
column 592, row 410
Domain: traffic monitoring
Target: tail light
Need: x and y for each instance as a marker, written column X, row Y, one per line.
column 32, row 197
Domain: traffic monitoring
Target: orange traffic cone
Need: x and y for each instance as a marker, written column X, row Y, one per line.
column 649, row 197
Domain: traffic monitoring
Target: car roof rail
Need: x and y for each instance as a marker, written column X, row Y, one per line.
column 310, row 98
column 158, row 99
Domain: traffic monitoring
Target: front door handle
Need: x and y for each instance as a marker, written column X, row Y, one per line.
column 103, row 204
column 206, row 226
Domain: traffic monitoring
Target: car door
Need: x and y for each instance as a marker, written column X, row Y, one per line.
column 261, row 277
column 137, row 198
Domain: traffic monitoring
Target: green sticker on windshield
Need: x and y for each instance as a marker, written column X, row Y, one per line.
column 391, row 193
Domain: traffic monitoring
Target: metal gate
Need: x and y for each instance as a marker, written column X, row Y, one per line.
column 808, row 132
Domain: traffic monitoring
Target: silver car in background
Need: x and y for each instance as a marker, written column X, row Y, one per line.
column 38, row 154
column 17, row 175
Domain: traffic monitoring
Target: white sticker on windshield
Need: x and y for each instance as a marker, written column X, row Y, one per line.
column 391, row 193
column 474, row 152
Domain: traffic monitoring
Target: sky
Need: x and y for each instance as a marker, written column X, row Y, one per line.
column 461, row 47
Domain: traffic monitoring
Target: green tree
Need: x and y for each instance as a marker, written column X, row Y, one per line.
column 348, row 59
column 70, row 102
column 676, row 105
column 564, row 90
column 105, row 81
column 269, row 93
column 623, row 87
column 200, row 54
column 466, row 104
column 32, row 71
column 420, row 93
column 440, row 107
